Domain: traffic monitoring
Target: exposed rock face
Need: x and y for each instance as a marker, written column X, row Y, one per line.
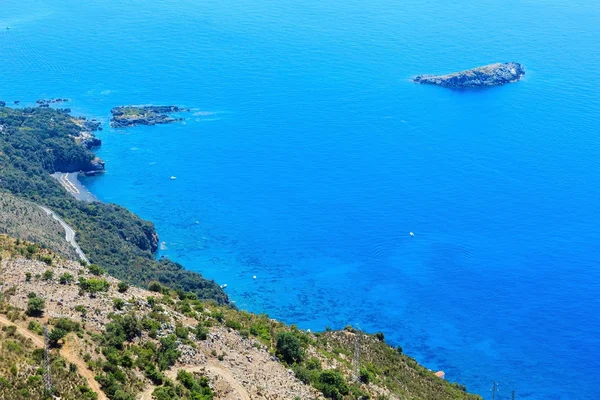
column 95, row 167
column 125, row 116
column 91, row 167
column 488, row 75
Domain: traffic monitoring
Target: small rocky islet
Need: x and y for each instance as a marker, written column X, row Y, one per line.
column 125, row 116
column 487, row 75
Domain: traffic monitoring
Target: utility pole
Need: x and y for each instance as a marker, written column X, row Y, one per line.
column 356, row 359
column 47, row 377
column 494, row 390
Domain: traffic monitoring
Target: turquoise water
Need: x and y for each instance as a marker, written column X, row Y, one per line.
column 309, row 157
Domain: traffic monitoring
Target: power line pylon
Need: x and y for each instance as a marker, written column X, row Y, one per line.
column 494, row 390
column 47, row 377
column 356, row 359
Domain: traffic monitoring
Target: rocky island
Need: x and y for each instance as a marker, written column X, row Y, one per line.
column 125, row 116
column 488, row 75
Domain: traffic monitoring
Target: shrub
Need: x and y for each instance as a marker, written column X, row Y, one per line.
column 122, row 287
column 95, row 270
column 36, row 327
column 35, row 306
column 201, row 332
column 118, row 303
column 66, row 278
column 155, row 287
column 365, row 376
column 181, row 332
column 261, row 330
column 48, row 275
column 313, row 363
column 67, row 325
column 218, row 315
column 289, row 348
column 332, row 384
column 93, row 285
column 233, row 325
column 380, row 336
column 167, row 353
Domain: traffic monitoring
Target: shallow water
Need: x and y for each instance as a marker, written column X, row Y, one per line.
column 309, row 156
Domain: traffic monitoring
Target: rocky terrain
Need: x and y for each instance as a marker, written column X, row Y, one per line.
column 488, row 75
column 125, row 116
column 24, row 220
column 240, row 355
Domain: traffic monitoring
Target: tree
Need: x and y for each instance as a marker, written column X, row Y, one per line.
column 289, row 348
column 35, row 306
column 56, row 334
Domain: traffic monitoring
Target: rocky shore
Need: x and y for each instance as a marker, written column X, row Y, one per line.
column 488, row 75
column 125, row 116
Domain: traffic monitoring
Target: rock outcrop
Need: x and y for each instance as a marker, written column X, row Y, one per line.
column 488, row 75
column 47, row 102
column 125, row 116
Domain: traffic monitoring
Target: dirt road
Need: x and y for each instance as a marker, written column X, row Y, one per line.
column 211, row 366
column 67, row 352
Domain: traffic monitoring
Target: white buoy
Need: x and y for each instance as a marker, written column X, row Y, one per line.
column 412, row 234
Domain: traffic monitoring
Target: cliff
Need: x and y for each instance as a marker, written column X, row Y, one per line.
column 488, row 75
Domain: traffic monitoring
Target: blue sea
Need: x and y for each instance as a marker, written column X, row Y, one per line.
column 309, row 156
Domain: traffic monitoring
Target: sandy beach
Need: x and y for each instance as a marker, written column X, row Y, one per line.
column 70, row 181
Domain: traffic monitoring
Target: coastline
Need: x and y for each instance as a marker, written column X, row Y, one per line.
column 70, row 181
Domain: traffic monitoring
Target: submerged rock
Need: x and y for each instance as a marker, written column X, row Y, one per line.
column 125, row 116
column 488, row 75
column 47, row 102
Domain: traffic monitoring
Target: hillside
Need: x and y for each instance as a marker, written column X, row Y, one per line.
column 35, row 142
column 23, row 220
column 163, row 344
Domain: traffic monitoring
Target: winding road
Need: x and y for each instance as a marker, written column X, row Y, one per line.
column 69, row 233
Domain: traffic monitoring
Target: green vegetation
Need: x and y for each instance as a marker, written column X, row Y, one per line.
column 35, row 306
column 380, row 364
column 38, row 141
column 21, row 372
column 189, row 387
column 289, row 348
column 93, row 285
column 66, row 278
